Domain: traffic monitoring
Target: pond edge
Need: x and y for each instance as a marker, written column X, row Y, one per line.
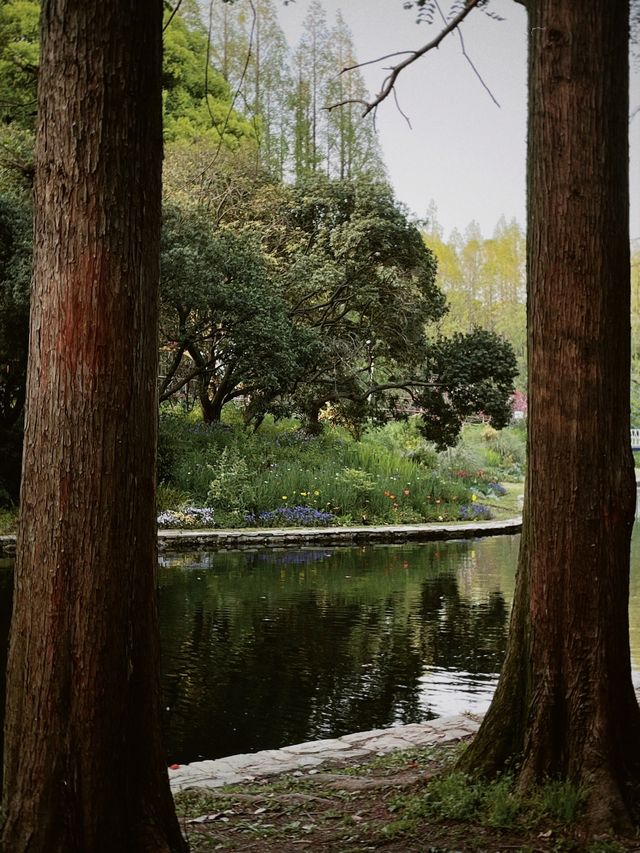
column 242, row 539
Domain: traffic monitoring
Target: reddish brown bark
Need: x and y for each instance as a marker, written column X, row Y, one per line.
column 84, row 766
column 565, row 704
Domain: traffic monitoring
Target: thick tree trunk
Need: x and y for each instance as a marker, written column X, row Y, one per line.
column 565, row 704
column 84, row 768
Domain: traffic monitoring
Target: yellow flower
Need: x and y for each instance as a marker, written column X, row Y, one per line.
column 316, row 493
column 285, row 497
column 303, row 494
column 474, row 497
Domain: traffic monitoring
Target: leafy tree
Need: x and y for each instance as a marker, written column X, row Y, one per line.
column 285, row 93
column 249, row 47
column 313, row 64
column 197, row 106
column 19, row 51
column 352, row 145
column 197, row 100
column 483, row 280
column 224, row 327
column 355, row 269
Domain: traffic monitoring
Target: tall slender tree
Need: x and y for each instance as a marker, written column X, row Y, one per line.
column 83, row 768
column 313, row 63
column 352, row 145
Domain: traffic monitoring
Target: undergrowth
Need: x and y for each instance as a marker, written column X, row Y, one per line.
column 494, row 803
column 281, row 475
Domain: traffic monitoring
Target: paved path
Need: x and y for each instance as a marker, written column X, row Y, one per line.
column 308, row 757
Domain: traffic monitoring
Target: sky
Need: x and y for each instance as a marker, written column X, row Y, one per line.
column 462, row 151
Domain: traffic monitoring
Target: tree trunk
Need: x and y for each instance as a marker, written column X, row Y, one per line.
column 84, row 768
column 211, row 408
column 565, row 704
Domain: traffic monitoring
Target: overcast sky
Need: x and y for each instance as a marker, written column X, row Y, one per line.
column 462, row 151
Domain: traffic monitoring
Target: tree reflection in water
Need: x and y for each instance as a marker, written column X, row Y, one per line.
column 267, row 649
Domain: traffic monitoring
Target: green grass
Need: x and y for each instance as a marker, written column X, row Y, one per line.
column 496, row 803
column 391, row 476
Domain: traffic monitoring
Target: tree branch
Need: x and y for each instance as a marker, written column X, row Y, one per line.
column 395, row 70
column 174, row 12
column 468, row 58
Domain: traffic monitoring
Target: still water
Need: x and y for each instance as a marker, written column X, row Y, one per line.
column 266, row 649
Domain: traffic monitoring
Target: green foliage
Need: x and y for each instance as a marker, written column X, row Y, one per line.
column 170, row 497
column 361, row 482
column 606, row 846
column 224, row 324
column 8, row 517
column 484, row 281
column 281, row 466
column 230, row 488
column 456, row 796
column 472, row 373
column 197, row 100
column 315, row 297
column 15, row 275
column 19, row 57
column 559, row 800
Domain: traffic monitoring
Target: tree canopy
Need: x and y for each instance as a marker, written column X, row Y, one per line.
column 321, row 293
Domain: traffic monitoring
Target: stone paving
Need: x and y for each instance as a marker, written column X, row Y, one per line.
column 309, row 757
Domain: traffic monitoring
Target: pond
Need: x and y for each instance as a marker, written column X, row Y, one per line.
column 265, row 649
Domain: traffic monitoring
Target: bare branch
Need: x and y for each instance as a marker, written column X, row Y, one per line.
column 403, row 114
column 468, row 58
column 172, row 15
column 395, row 71
column 374, row 61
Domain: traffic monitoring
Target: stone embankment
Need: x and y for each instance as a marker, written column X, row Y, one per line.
column 310, row 757
column 231, row 540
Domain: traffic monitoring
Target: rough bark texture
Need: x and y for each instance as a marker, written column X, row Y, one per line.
column 565, row 704
column 84, row 767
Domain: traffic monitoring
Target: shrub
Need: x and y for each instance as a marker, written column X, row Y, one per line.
column 230, row 488
column 170, row 497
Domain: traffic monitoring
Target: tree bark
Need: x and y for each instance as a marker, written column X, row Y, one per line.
column 84, row 768
column 565, row 704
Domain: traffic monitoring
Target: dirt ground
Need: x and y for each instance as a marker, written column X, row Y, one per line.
column 375, row 806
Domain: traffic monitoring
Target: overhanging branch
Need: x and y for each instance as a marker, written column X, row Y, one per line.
column 395, row 70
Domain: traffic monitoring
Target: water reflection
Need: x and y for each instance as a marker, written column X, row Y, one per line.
column 266, row 649
column 262, row 650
